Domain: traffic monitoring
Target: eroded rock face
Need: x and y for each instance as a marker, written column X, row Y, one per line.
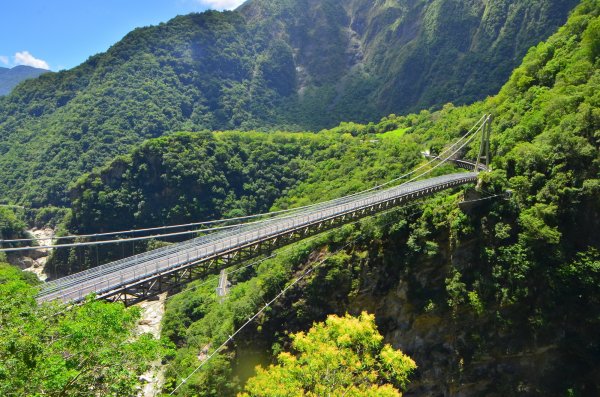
column 151, row 322
column 458, row 352
column 34, row 260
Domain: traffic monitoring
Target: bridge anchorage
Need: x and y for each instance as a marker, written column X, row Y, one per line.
column 147, row 275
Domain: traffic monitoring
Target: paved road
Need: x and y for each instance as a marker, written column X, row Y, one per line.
column 113, row 275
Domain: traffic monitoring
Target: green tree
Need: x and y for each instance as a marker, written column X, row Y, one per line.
column 90, row 350
column 344, row 356
column 10, row 225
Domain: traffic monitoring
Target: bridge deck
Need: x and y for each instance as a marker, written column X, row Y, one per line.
column 117, row 275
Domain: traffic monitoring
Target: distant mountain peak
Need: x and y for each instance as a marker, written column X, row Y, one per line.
column 10, row 78
column 26, row 67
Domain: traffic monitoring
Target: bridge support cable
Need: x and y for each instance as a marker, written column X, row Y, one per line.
column 278, row 296
column 142, row 276
column 204, row 223
column 65, row 309
column 483, row 159
column 180, row 246
column 119, row 240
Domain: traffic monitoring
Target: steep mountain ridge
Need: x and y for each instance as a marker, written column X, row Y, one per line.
column 497, row 296
column 408, row 55
column 294, row 65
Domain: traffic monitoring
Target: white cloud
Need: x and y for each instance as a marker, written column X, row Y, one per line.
column 4, row 59
column 221, row 4
column 25, row 58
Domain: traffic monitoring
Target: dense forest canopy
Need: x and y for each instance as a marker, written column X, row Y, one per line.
column 87, row 351
column 465, row 289
column 489, row 293
column 292, row 65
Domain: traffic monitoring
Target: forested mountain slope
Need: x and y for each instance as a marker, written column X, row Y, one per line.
column 493, row 297
column 191, row 176
column 289, row 64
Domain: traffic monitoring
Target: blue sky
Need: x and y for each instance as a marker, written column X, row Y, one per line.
column 61, row 34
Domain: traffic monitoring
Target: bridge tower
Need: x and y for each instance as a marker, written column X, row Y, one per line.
column 484, row 149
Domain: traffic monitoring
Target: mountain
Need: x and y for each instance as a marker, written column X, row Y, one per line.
column 493, row 290
column 9, row 78
column 360, row 60
column 490, row 294
column 293, row 65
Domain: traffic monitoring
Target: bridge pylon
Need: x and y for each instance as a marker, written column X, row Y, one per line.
column 484, row 149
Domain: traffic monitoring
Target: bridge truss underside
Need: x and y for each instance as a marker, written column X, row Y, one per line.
column 173, row 279
column 167, row 269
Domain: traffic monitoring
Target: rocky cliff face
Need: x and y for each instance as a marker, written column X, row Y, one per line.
column 373, row 58
column 458, row 353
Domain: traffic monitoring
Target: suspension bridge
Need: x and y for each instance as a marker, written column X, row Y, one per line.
column 147, row 275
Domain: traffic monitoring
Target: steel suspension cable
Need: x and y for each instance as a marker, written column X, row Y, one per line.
column 266, row 214
column 259, row 261
column 279, row 295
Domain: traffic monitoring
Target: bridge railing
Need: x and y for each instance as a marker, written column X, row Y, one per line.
column 141, row 266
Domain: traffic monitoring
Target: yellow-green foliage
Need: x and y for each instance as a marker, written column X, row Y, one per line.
column 344, row 356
